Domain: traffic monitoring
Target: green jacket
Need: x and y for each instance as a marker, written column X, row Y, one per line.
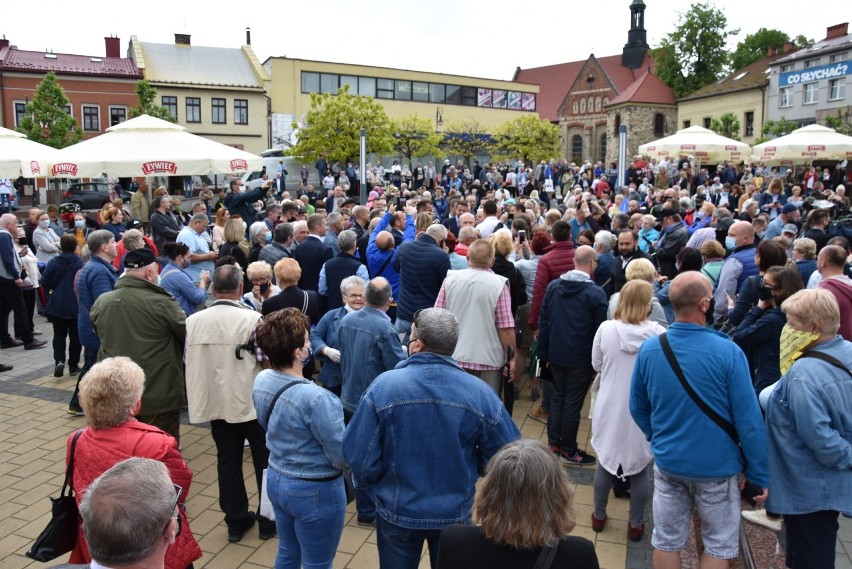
column 142, row 321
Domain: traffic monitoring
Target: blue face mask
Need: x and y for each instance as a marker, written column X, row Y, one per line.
column 79, row 223
column 269, row 238
column 730, row 243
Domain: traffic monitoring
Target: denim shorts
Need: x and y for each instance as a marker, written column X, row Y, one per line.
column 718, row 504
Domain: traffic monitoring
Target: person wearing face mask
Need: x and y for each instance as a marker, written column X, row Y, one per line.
column 155, row 341
column 807, row 414
column 259, row 274
column 759, row 333
column 80, row 230
column 46, row 241
column 175, row 280
column 738, row 266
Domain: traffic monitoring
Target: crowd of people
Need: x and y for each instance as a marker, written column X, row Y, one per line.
column 384, row 344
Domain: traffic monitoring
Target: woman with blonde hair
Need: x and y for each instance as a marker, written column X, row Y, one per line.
column 621, row 446
column 218, row 232
column 643, row 270
column 233, row 245
column 111, row 394
column 523, row 511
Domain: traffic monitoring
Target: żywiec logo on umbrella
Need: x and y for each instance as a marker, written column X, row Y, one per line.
column 68, row 168
column 730, row 147
column 159, row 167
column 687, row 147
column 239, row 165
column 34, row 166
column 816, row 147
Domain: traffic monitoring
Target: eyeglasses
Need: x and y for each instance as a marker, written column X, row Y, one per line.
column 355, row 295
column 264, row 280
column 767, row 285
column 176, row 516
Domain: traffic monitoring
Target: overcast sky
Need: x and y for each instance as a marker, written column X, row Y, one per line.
column 462, row 37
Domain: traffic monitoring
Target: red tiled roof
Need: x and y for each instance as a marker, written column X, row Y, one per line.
column 647, row 89
column 752, row 76
column 554, row 82
column 35, row 61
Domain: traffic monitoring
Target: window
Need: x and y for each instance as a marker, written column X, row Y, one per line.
column 219, row 113
column 20, row 111
column 786, row 68
column 367, row 86
column 575, row 107
column 837, row 57
column 836, row 89
column 468, row 96
column 351, row 81
column 436, row 93
column 811, row 63
column 420, row 92
column 810, row 94
column 687, row 124
column 328, row 83
column 171, row 105
column 117, row 115
column 590, row 104
column 706, row 122
column 659, row 124
column 749, row 123
column 597, row 104
column 384, row 88
column 454, row 94
column 582, row 105
column 403, row 91
column 240, row 111
column 193, row 109
column 785, row 97
column 602, row 149
column 91, row 118
column 617, row 124
column 577, row 148
column 310, row 82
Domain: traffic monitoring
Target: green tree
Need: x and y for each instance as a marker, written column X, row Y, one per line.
column 46, row 121
column 333, row 125
column 756, row 46
column 774, row 129
column 528, row 136
column 415, row 137
column 727, row 125
column 841, row 122
column 467, row 139
column 694, row 54
column 147, row 96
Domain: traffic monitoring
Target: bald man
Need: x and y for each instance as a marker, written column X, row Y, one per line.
column 696, row 462
column 381, row 250
column 737, row 268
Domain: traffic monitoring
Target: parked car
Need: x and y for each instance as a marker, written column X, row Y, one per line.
column 91, row 195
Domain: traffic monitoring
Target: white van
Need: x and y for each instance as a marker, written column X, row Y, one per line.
column 271, row 158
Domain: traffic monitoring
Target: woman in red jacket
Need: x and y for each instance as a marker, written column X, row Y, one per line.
column 111, row 394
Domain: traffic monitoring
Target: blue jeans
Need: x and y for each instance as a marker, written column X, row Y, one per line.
column 570, row 386
column 403, row 327
column 309, row 517
column 400, row 548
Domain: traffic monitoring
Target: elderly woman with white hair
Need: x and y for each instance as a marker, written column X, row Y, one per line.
column 604, row 242
column 259, row 236
column 110, row 395
column 259, row 274
column 808, row 418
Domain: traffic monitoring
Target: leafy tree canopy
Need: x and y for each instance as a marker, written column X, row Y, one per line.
column 694, row 54
column 727, row 125
column 333, row 127
column 46, row 120
column 756, row 46
column 147, row 96
column 415, row 137
column 467, row 139
column 528, row 136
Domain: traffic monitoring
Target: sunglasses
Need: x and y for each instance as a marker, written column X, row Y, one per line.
column 178, row 492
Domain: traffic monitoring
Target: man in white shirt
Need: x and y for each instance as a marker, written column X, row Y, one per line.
column 486, row 228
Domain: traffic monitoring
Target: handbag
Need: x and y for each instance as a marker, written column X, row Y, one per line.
column 60, row 535
column 750, row 490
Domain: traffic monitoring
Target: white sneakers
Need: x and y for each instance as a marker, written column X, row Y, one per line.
column 760, row 518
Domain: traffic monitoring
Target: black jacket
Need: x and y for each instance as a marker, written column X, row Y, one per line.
column 311, row 255
column 619, row 279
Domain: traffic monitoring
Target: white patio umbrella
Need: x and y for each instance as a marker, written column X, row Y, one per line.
column 703, row 144
column 806, row 144
column 148, row 146
column 20, row 156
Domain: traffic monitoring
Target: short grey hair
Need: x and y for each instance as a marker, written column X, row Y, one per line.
column 438, row 329
column 347, row 284
column 282, row 232
column 199, row 218
column 437, row 232
column 333, row 217
column 125, row 510
column 467, row 232
column 227, row 278
column 97, row 239
column 346, row 240
column 378, row 292
column 133, row 239
column 255, row 229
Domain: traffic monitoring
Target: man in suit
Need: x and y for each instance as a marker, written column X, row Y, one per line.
column 331, row 202
column 312, row 253
column 452, row 222
column 628, row 249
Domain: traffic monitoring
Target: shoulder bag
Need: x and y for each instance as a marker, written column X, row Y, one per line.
column 750, row 490
column 60, row 535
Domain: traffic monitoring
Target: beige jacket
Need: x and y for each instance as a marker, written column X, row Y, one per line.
column 140, row 206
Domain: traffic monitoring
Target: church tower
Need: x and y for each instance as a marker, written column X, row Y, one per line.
column 637, row 43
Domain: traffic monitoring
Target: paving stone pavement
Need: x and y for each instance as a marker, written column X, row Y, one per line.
column 34, row 426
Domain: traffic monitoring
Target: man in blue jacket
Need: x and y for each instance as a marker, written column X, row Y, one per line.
column 696, row 462
column 422, row 265
column 424, row 478
column 573, row 309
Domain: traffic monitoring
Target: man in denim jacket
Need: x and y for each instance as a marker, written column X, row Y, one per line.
column 420, row 438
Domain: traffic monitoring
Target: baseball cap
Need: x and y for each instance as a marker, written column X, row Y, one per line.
column 139, row 258
column 788, row 208
column 790, row 228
